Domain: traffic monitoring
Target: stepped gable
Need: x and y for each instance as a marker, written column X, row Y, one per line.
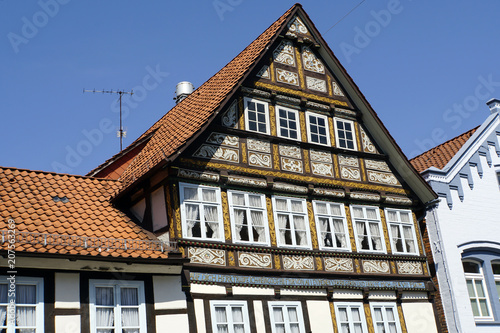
column 188, row 117
column 60, row 204
column 440, row 155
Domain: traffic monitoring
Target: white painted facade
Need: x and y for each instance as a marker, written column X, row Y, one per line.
column 464, row 224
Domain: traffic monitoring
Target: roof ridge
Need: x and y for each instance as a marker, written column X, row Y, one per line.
column 444, row 143
column 57, row 174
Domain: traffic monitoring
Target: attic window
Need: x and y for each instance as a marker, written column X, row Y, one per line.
column 61, row 199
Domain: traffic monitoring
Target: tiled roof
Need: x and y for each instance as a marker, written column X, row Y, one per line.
column 188, row 117
column 63, row 205
column 440, row 155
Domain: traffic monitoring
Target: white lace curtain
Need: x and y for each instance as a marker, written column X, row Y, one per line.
column 130, row 311
column 299, row 224
column 410, row 244
column 239, row 326
column 258, row 225
column 361, row 231
column 338, row 228
column 282, row 222
column 211, row 221
column 396, row 238
column 279, row 320
column 25, row 315
column 375, row 235
column 3, row 300
column 105, row 316
column 192, row 217
column 239, row 217
column 294, row 320
column 221, row 319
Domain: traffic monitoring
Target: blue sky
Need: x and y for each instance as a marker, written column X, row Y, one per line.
column 427, row 68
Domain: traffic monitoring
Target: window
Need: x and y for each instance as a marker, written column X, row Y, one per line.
column 498, row 178
column 117, row 306
column 286, row 317
column 368, row 229
column 256, row 116
column 201, row 212
column 385, row 318
column 331, row 225
column 318, row 129
column 496, row 274
column 350, row 317
column 477, row 293
column 345, row 134
column 229, row 317
column 249, row 217
column 27, row 293
column 288, row 123
column 401, row 231
column 290, row 215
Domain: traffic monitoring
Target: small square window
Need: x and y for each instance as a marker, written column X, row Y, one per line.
column 317, row 126
column 256, row 116
column 288, row 123
column 345, row 134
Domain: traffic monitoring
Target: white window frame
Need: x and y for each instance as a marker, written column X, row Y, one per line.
column 116, row 285
column 228, row 305
column 248, row 209
column 367, row 222
column 478, row 277
column 496, row 278
column 39, row 303
column 266, row 110
column 385, row 321
column 337, row 136
column 290, row 214
column 400, row 225
column 201, row 204
column 309, row 134
column 284, row 306
column 350, row 322
column 331, row 217
column 278, row 122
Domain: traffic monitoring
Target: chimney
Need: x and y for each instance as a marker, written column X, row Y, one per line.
column 182, row 90
column 494, row 105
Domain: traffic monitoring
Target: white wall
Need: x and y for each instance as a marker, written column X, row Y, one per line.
column 419, row 317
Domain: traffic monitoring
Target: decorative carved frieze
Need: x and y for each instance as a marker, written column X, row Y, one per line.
column 255, row 260
column 375, row 266
column 329, row 192
column 198, row 175
column 288, row 77
column 223, row 139
column 317, row 106
column 377, row 165
column 339, row 265
column 252, row 91
column 264, row 72
column 289, row 188
column 316, row 84
column 292, row 165
column 365, row 196
column 382, row 178
column 368, row 146
column 218, row 153
column 336, row 89
column 409, row 267
column 320, row 156
column 311, row 62
column 322, row 169
column 230, row 118
column 398, row 200
column 348, row 160
column 259, row 145
column 350, row 173
column 288, row 99
column 259, row 159
column 345, row 112
column 297, row 26
column 284, row 53
column 246, row 181
column 290, row 151
column 299, row 263
column 207, row 256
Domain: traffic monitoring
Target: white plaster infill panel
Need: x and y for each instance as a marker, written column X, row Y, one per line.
column 207, row 289
column 320, row 316
column 68, row 324
column 419, row 317
column 237, row 290
column 199, row 312
column 168, row 293
column 260, row 323
column 174, row 322
column 67, row 290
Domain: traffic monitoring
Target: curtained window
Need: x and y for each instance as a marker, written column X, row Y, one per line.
column 331, row 224
column 286, row 317
column 350, row 317
column 201, row 212
column 401, row 231
column 229, row 317
column 368, row 228
column 291, row 222
column 27, row 297
column 248, row 217
column 385, row 317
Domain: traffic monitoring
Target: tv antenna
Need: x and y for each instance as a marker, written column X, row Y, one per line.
column 121, row 133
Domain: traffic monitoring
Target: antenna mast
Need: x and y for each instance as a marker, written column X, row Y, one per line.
column 121, row 133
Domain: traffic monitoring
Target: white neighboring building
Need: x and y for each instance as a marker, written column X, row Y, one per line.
column 464, row 225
